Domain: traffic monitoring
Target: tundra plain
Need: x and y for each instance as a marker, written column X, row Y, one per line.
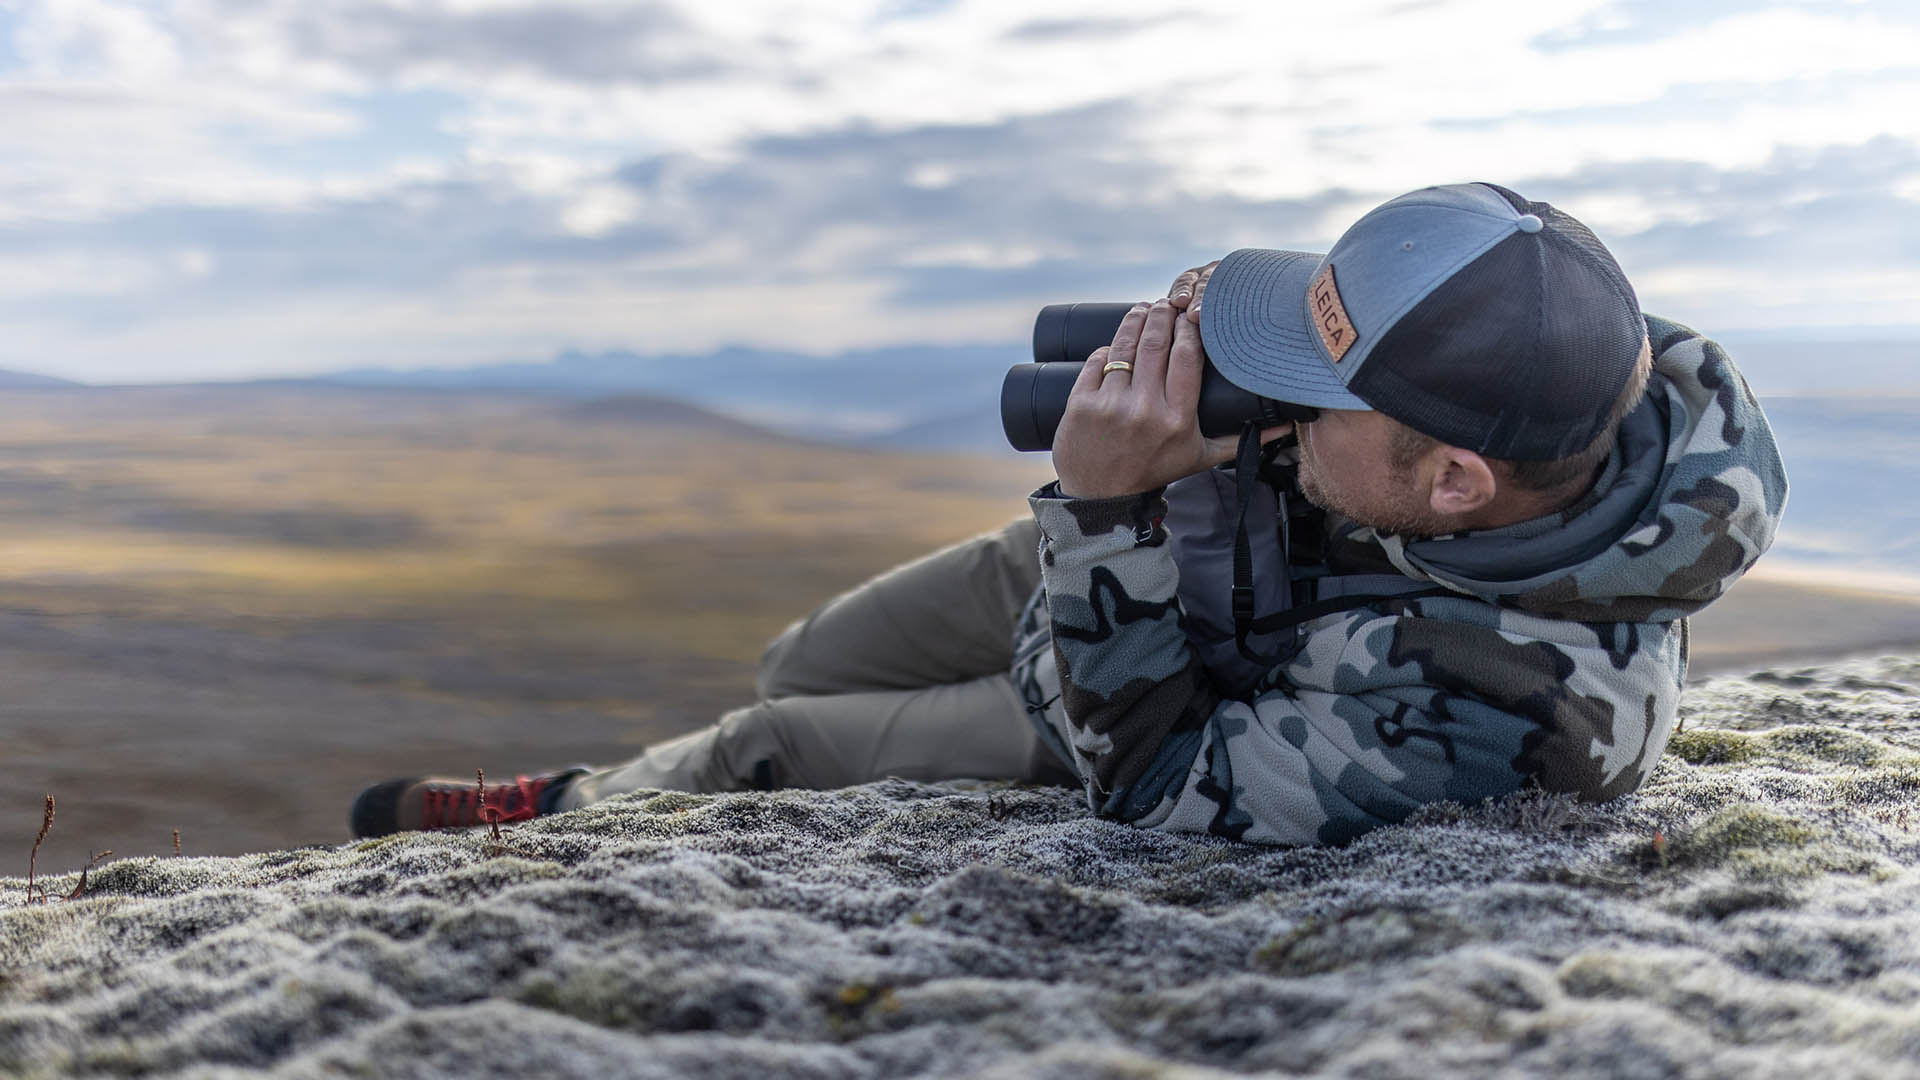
column 225, row 609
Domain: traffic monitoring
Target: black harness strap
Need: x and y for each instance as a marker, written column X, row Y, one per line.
column 1304, row 613
column 1246, row 473
column 1245, row 623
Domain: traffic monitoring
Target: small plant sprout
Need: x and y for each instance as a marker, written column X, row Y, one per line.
column 37, row 893
column 33, row 857
column 80, row 890
column 496, row 843
column 488, row 814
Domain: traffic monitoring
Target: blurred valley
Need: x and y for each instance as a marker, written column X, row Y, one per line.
column 225, row 609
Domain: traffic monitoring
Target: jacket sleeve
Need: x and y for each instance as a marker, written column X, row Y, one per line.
column 1157, row 746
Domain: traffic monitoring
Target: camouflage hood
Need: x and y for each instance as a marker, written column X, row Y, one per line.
column 1691, row 497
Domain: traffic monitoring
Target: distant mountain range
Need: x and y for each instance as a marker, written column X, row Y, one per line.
column 647, row 410
column 20, row 380
column 946, row 397
column 1852, row 450
column 935, row 397
column 1852, row 446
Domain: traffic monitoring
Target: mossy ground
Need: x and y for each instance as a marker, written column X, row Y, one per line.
column 1747, row 914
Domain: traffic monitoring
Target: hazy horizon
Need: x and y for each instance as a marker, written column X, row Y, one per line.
column 1894, row 368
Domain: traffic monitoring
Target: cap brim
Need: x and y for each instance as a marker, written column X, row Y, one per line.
column 1253, row 323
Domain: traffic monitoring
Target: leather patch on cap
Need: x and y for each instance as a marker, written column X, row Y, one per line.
column 1330, row 315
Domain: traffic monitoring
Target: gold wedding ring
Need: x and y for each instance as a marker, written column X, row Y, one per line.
column 1117, row 365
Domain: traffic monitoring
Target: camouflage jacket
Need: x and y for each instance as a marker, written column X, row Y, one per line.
column 1553, row 654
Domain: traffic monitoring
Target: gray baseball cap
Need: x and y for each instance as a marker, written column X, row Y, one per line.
column 1466, row 312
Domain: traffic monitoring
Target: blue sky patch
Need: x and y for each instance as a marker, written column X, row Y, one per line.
column 397, row 125
column 1641, row 21
column 911, row 9
column 9, row 25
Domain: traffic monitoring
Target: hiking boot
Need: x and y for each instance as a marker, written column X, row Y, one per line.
column 436, row 802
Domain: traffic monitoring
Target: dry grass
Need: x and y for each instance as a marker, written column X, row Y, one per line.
column 33, row 857
column 230, row 608
column 261, row 502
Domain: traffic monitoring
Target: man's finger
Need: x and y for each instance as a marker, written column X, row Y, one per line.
column 1089, row 378
column 1156, row 338
column 1182, row 289
column 1126, row 337
column 1184, row 367
column 1221, row 449
column 1200, row 276
column 1224, row 448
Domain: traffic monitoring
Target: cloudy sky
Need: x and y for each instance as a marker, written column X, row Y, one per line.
column 222, row 188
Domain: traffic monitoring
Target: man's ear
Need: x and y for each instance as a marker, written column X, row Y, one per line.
column 1463, row 482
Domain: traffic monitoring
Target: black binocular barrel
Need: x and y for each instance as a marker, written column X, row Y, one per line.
column 1070, row 332
column 1033, row 397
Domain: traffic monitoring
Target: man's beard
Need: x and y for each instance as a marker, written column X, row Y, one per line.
column 1316, row 492
column 1401, row 520
column 1310, row 487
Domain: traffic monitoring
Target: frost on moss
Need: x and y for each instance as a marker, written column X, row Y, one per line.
column 1367, row 936
column 1749, row 912
column 1711, row 746
column 1825, row 743
column 1752, row 841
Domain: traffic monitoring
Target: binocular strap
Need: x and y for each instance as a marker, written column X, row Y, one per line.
column 1245, row 622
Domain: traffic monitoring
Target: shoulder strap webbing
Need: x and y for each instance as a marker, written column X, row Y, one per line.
column 1303, row 613
column 1246, row 473
column 1245, row 622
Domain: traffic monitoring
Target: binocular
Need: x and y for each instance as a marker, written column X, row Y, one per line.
column 1033, row 397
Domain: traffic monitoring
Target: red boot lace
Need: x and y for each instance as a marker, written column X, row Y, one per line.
column 451, row 807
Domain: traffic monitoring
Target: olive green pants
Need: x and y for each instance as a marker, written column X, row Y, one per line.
column 905, row 675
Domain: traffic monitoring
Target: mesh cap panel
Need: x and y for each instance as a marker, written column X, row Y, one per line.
column 1520, row 354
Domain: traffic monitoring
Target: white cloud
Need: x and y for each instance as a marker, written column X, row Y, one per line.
column 194, row 262
column 599, row 209
column 846, row 168
column 58, row 274
column 502, row 314
column 976, row 255
column 1781, row 295
column 95, row 37
column 1256, row 100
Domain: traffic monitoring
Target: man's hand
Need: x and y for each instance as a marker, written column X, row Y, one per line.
column 1186, row 289
column 1129, row 431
